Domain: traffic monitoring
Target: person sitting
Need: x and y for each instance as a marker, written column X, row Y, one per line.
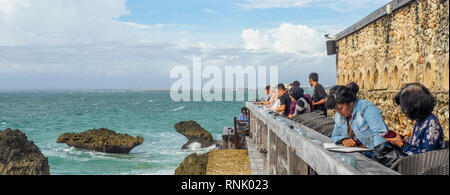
column 285, row 101
column 358, row 123
column 267, row 101
column 303, row 105
column 295, row 93
column 417, row 103
column 272, row 96
column 243, row 117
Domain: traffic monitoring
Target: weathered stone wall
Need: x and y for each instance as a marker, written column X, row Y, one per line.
column 410, row 45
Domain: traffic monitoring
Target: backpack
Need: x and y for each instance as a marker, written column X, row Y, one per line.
column 306, row 108
column 309, row 98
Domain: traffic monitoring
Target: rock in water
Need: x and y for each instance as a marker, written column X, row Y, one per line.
column 18, row 156
column 195, row 133
column 101, row 140
column 193, row 164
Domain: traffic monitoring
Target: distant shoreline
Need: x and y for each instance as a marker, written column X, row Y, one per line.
column 121, row 90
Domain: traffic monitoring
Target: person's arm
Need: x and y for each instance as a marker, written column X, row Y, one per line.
column 376, row 124
column 273, row 98
column 337, row 136
column 281, row 108
column 323, row 101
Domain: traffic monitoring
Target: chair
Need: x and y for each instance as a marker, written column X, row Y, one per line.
column 425, row 163
column 321, row 122
column 240, row 132
column 437, row 170
column 326, row 130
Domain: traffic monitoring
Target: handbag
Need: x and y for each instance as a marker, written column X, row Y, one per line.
column 387, row 154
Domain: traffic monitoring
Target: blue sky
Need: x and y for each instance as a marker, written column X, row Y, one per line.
column 90, row 44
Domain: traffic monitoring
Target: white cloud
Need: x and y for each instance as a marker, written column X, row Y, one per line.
column 146, row 65
column 58, row 22
column 287, row 38
column 210, row 11
column 51, row 40
column 254, row 40
column 142, row 26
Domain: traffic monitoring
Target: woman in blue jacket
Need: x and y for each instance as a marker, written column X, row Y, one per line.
column 358, row 123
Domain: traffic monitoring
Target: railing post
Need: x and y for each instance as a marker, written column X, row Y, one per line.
column 235, row 134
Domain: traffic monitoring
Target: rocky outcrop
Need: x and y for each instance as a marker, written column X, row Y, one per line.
column 193, row 164
column 101, row 140
column 18, row 156
column 195, row 133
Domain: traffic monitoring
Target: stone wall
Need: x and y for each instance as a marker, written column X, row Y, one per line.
column 409, row 45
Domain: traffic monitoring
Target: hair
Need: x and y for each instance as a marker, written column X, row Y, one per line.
column 268, row 88
column 281, row 87
column 243, row 108
column 296, row 93
column 353, row 87
column 314, row 77
column 415, row 101
column 340, row 94
column 296, row 84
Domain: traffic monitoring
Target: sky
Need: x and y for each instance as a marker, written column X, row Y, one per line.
column 134, row 44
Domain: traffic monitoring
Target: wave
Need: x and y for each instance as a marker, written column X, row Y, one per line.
column 195, row 146
column 176, row 109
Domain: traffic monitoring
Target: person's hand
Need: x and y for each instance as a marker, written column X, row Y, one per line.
column 348, row 143
column 397, row 140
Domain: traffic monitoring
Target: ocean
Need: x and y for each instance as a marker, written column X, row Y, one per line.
column 44, row 115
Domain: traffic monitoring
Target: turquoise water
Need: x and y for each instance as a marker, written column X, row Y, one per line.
column 44, row 115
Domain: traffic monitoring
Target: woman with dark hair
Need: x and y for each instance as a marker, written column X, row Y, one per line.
column 353, row 87
column 243, row 116
column 358, row 123
column 295, row 94
column 417, row 103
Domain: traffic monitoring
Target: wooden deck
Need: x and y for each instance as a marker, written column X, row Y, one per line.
column 256, row 158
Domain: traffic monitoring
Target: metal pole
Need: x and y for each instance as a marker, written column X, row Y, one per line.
column 235, row 134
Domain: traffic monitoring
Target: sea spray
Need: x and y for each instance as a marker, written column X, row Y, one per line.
column 195, row 146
